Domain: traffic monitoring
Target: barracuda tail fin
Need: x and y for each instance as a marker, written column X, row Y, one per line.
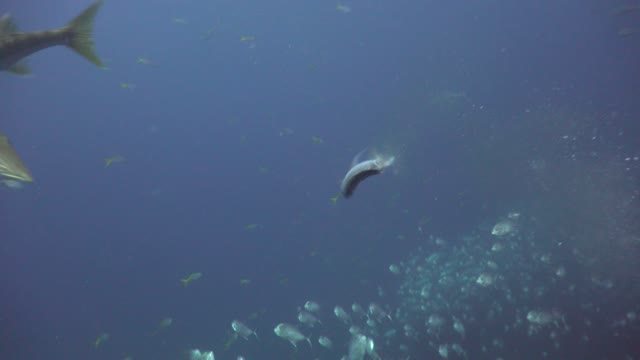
column 81, row 33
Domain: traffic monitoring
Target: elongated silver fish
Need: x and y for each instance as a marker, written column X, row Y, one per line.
column 77, row 35
column 362, row 170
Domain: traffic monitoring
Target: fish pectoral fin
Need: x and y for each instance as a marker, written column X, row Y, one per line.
column 20, row 68
column 356, row 159
column 81, row 34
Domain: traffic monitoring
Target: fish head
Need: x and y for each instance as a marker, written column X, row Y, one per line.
column 383, row 162
column 279, row 329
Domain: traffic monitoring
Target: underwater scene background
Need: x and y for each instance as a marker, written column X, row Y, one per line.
column 195, row 180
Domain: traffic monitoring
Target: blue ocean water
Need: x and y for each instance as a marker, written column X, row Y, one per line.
column 229, row 151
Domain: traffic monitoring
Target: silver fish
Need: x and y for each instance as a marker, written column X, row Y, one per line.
column 312, row 306
column 290, row 333
column 242, row 329
column 308, row 318
column 357, row 309
column 325, row 341
column 358, row 347
column 377, row 313
column 503, row 228
column 342, row 314
column 196, row 354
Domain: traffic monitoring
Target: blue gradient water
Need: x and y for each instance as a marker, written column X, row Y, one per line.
column 203, row 129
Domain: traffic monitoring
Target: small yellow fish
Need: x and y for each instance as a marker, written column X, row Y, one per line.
column 163, row 324
column 247, row 39
column 125, row 85
column 101, row 338
column 254, row 315
column 231, row 337
column 334, row 199
column 190, row 278
column 208, row 34
column 113, row 159
column 180, row 21
column 317, row 140
column 251, row 227
column 144, row 61
column 343, row 8
column 625, row 9
column 245, row 282
column 628, row 31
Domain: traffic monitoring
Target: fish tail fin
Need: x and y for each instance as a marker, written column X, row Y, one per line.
column 185, row 281
column 81, row 33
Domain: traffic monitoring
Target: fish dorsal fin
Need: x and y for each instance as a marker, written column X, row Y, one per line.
column 356, row 159
column 7, row 26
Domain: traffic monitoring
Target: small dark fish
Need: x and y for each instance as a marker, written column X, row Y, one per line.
column 626, row 9
column 362, row 170
column 624, row 32
column 77, row 35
